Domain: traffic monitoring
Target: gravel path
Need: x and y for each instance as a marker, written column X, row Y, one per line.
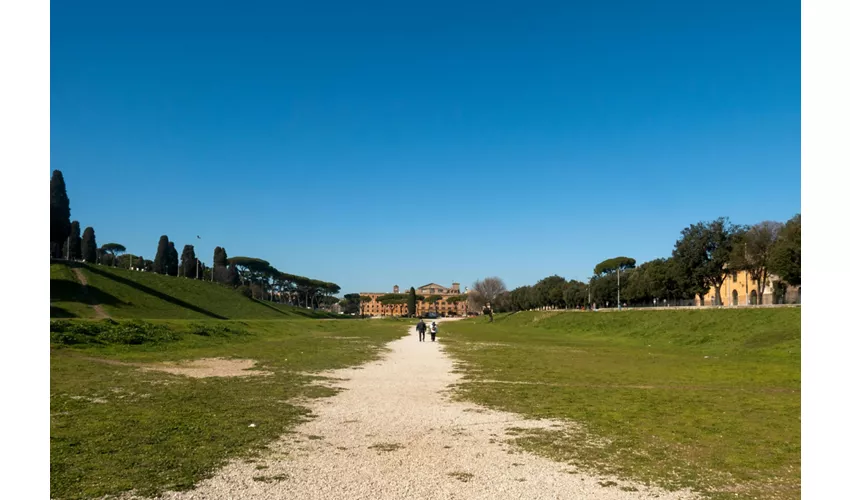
column 392, row 433
column 99, row 312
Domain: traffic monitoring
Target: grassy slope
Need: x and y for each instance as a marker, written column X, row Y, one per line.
column 115, row 428
column 66, row 294
column 131, row 294
column 705, row 399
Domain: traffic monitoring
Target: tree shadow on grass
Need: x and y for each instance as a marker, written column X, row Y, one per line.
column 63, row 290
column 58, row 312
column 294, row 311
column 66, row 291
column 151, row 291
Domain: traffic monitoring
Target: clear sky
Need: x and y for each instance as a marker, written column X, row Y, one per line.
column 381, row 143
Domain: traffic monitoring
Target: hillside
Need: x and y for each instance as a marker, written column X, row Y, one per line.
column 131, row 294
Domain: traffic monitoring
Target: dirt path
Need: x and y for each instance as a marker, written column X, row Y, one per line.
column 394, row 434
column 99, row 312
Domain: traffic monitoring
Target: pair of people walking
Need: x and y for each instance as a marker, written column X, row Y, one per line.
column 421, row 327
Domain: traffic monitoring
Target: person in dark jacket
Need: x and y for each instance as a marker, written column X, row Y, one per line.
column 421, row 327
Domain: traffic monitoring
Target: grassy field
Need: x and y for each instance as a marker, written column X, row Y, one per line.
column 115, row 427
column 132, row 294
column 706, row 399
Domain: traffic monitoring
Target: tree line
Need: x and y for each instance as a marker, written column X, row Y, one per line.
column 706, row 254
column 253, row 277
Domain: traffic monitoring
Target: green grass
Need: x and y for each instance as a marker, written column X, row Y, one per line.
column 115, row 428
column 707, row 399
column 132, row 294
column 67, row 299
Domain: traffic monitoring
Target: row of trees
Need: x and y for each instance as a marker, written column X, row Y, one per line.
column 255, row 277
column 353, row 303
column 709, row 252
column 65, row 239
column 706, row 254
column 264, row 281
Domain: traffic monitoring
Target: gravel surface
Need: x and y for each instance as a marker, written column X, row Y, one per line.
column 99, row 312
column 393, row 433
column 208, row 367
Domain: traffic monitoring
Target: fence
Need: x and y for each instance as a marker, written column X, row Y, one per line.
column 681, row 304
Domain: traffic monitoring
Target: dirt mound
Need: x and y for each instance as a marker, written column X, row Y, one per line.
column 208, row 367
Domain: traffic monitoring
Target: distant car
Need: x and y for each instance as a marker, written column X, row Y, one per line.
column 431, row 315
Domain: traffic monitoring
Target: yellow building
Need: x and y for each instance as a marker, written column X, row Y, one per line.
column 740, row 289
column 442, row 306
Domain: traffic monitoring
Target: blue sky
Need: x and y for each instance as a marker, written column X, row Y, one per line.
column 382, row 143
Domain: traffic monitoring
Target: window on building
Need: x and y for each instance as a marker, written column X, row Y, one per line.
column 734, row 277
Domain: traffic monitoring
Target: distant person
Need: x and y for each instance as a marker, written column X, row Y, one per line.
column 433, row 331
column 420, row 327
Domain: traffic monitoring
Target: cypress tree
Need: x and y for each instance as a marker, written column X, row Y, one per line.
column 232, row 276
column 60, row 214
column 88, row 246
column 75, row 250
column 188, row 262
column 220, row 256
column 173, row 261
column 411, row 302
column 220, row 265
column 160, row 262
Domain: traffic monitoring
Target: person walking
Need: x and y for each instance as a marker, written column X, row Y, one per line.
column 433, row 331
column 421, row 327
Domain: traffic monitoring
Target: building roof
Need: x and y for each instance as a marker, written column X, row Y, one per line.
column 421, row 288
column 429, row 285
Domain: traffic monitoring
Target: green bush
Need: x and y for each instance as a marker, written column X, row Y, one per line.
column 215, row 330
column 109, row 331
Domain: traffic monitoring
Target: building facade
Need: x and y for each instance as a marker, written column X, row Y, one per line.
column 740, row 289
column 442, row 307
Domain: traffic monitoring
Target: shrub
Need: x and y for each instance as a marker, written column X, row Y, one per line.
column 109, row 331
column 246, row 291
column 215, row 330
